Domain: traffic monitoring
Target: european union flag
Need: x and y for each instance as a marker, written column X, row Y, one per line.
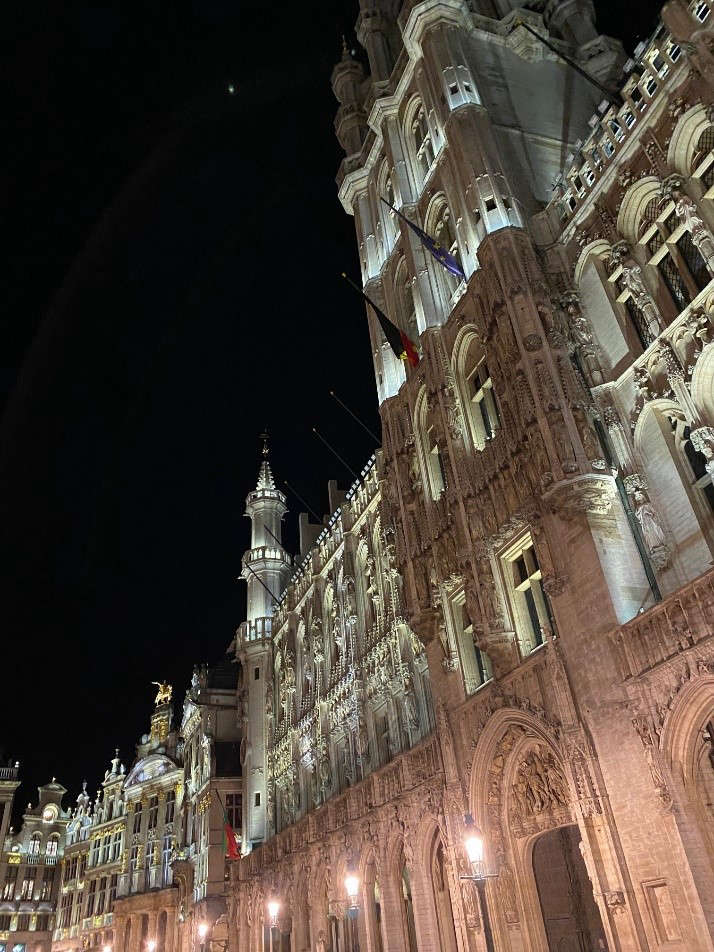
column 442, row 255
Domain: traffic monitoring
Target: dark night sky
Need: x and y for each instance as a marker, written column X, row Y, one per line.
column 171, row 287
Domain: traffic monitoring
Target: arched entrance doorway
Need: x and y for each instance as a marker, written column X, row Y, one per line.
column 570, row 915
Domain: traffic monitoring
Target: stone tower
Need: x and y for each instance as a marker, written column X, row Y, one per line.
column 266, row 566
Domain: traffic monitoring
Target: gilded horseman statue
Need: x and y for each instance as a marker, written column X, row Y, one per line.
column 163, row 695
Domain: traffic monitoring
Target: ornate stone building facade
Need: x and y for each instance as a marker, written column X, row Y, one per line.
column 144, row 863
column 29, row 866
column 510, row 617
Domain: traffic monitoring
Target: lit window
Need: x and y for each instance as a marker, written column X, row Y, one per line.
column 52, row 845
column 170, row 806
column 485, row 413
column 529, row 602
column 475, row 664
column 34, row 845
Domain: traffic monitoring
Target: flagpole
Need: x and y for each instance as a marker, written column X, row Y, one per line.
column 300, row 499
column 355, row 417
column 334, row 453
column 245, row 564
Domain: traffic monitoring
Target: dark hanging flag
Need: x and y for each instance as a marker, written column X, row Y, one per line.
column 442, row 255
column 402, row 346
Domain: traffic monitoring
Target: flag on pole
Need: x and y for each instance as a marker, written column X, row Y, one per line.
column 230, row 840
column 400, row 343
column 437, row 250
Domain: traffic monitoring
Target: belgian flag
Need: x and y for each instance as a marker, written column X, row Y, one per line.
column 402, row 345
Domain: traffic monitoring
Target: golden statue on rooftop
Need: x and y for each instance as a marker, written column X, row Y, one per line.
column 163, row 695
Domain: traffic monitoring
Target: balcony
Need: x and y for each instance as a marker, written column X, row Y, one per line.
column 9, row 773
column 682, row 620
column 254, row 631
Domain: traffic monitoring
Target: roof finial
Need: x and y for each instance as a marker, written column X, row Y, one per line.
column 264, row 436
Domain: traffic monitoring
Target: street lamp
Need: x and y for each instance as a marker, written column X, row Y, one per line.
column 202, row 933
column 151, row 945
column 352, row 889
column 107, row 948
column 273, row 910
column 474, row 845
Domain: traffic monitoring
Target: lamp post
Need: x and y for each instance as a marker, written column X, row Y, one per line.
column 273, row 910
column 473, row 843
column 352, row 889
column 202, row 933
column 151, row 945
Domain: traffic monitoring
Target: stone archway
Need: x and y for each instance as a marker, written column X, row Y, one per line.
column 521, row 790
column 570, row 915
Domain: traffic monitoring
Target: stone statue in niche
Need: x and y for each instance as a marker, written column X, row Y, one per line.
column 652, row 531
column 411, row 715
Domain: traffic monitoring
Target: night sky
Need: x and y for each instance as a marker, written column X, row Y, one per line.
column 171, row 286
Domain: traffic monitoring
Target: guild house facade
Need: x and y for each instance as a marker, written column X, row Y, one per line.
column 479, row 711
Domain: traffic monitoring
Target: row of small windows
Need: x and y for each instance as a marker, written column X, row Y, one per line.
column 529, row 605
column 32, row 886
column 33, row 847
column 23, row 923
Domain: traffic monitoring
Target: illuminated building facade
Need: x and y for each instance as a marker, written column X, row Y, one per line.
column 29, row 866
column 510, row 616
column 145, row 861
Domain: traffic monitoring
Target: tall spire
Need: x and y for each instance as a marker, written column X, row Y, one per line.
column 265, row 474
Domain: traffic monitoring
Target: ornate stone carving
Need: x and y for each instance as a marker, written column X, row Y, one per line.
column 540, row 784
column 581, row 494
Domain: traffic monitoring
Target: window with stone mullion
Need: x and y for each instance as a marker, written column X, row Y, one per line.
column 695, row 263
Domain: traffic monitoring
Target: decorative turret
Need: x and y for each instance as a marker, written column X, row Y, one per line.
column 350, row 121
column 378, row 33
column 266, row 568
column 266, row 565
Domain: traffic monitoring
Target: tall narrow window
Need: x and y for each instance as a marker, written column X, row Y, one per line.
column 46, row 888
column 96, row 851
column 436, row 465
column 28, row 883
column 170, row 806
column 153, row 812
column 166, row 850
column 528, row 600
column 112, row 892
column 481, row 390
column 137, row 818
column 421, row 139
column 445, row 235
column 33, row 847
column 475, row 664
column 91, row 897
column 8, row 890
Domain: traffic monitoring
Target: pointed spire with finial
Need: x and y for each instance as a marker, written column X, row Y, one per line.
column 265, row 475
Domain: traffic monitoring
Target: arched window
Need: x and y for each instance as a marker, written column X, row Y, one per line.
column 33, row 847
column 421, row 140
column 408, row 910
column 444, row 231
column 406, row 311
column 703, row 164
column 52, row 845
column 431, row 458
column 442, row 898
column 479, row 399
column 387, row 218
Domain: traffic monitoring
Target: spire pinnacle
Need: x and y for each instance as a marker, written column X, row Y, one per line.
column 265, row 475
